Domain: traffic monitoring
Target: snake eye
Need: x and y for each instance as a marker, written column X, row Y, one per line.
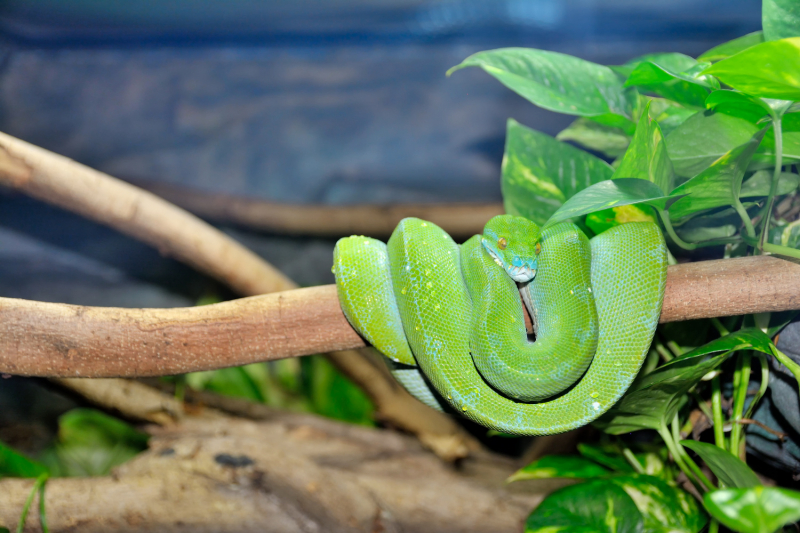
column 538, row 248
column 502, row 243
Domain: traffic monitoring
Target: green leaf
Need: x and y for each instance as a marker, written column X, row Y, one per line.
column 605, row 139
column 725, row 50
column 727, row 467
column 559, row 82
column 600, row 221
column 754, row 510
column 780, row 19
column 333, row 395
column 539, row 173
column 738, row 104
column 673, row 76
column 90, row 443
column 767, row 70
column 646, row 157
column 652, row 400
column 610, row 457
column 664, row 508
column 4, row 530
column 595, row 506
column 672, row 61
column 704, row 138
column 758, row 184
column 668, row 114
column 561, row 466
column 14, row 464
column 608, row 194
column 719, row 184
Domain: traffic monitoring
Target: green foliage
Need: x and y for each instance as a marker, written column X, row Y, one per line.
column 754, row 510
column 616, row 504
column 560, row 83
column 727, row 467
column 535, row 180
column 608, row 194
column 14, row 464
column 559, row 466
column 732, row 47
column 91, row 443
column 767, row 70
column 712, row 163
column 780, row 19
column 719, row 184
column 646, row 157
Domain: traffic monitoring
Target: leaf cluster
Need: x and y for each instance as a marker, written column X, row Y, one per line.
column 709, row 148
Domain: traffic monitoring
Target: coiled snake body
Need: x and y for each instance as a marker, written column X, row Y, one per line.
column 450, row 320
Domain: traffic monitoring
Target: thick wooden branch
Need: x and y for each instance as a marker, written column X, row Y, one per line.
column 56, row 340
column 142, row 339
column 459, row 220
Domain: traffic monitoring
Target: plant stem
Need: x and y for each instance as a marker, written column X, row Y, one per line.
column 37, row 486
column 762, row 361
column 671, row 231
column 720, row 326
column 780, row 250
column 793, row 367
column 672, row 447
column 776, row 175
column 716, row 408
column 685, row 456
column 632, row 460
column 740, row 382
column 748, row 224
column 713, row 526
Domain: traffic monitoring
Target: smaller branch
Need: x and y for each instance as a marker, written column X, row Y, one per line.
column 459, row 220
column 762, row 426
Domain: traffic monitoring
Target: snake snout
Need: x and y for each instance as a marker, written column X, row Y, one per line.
column 522, row 270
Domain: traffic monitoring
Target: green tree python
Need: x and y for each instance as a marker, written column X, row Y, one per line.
column 450, row 321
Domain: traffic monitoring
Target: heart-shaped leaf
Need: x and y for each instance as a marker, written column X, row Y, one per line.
column 767, row 70
column 664, row 508
column 727, row 467
column 754, row 510
column 732, row 47
column 705, row 137
column 595, row 506
column 611, row 193
column 540, row 173
column 559, row 82
column 717, row 185
column 559, row 466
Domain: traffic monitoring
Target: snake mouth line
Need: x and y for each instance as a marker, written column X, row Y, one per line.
column 521, row 270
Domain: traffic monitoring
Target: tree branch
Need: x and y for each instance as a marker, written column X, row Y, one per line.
column 60, row 181
column 459, row 220
column 58, row 340
column 294, row 473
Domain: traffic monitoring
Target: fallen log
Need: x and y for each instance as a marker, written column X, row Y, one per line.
column 58, row 340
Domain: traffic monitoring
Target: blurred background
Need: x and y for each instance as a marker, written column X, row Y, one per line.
column 333, row 102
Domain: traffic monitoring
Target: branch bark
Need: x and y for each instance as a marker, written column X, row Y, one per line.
column 60, row 181
column 459, row 220
column 291, row 474
column 58, row 340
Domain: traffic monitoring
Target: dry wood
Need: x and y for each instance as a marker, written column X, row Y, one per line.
column 100, row 197
column 459, row 220
column 291, row 474
column 58, row 340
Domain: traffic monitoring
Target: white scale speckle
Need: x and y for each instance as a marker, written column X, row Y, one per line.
column 595, row 405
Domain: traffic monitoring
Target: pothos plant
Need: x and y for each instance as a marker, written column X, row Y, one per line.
column 709, row 149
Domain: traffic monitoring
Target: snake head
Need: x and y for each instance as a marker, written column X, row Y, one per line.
column 513, row 243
